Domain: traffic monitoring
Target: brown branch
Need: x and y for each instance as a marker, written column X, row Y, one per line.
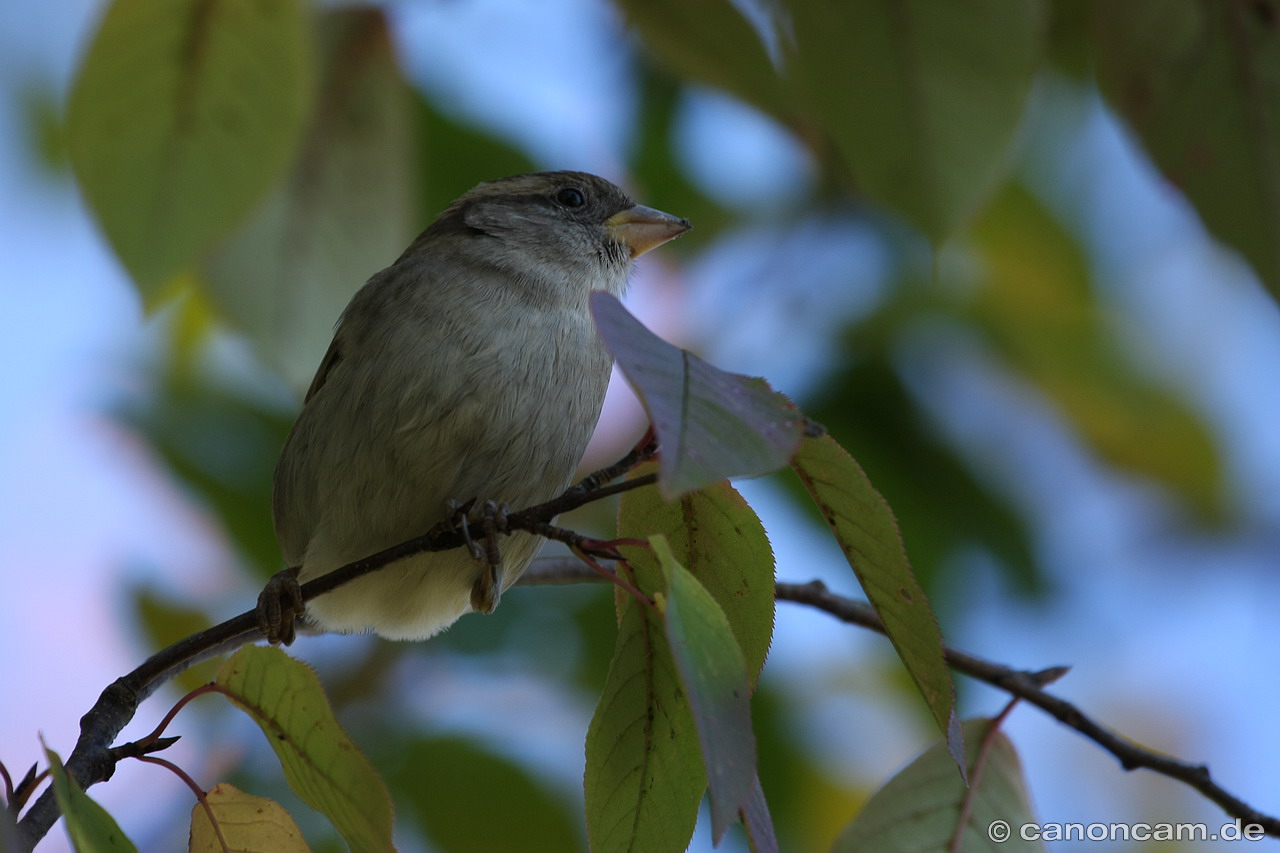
column 1028, row 686
column 92, row 760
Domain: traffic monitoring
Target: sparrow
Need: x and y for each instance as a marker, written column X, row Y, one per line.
column 468, row 370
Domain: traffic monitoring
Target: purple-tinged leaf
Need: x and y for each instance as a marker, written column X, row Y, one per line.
column 711, row 425
column 759, row 823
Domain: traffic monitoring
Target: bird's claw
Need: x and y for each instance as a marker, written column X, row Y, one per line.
column 280, row 604
column 456, row 518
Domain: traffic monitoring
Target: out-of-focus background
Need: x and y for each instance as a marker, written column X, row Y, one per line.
column 1060, row 380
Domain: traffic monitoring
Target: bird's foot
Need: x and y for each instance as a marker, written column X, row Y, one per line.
column 488, row 587
column 457, row 520
column 279, row 605
column 492, row 519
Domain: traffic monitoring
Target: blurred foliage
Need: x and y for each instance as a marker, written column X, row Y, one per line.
column 345, row 208
column 221, row 442
column 46, row 128
column 915, row 102
column 1036, row 305
column 468, row 799
column 910, row 109
column 1199, row 82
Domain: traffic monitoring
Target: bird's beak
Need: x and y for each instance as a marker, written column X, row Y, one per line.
column 643, row 228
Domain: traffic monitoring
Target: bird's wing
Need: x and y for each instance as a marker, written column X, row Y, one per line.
column 331, row 358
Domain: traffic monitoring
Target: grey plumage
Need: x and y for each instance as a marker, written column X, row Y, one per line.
column 470, row 368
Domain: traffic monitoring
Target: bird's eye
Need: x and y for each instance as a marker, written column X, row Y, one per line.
column 571, row 197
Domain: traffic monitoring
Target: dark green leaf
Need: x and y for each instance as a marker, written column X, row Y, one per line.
column 470, row 800
column 345, row 210
column 1199, row 82
column 182, row 115
column 919, row 808
column 644, row 777
column 89, row 826
column 716, row 535
column 8, row 830
column 865, row 527
column 712, row 425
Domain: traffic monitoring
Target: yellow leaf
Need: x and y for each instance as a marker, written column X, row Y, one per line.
column 249, row 824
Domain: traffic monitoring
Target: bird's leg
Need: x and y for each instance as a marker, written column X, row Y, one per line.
column 488, row 587
column 456, row 519
column 279, row 605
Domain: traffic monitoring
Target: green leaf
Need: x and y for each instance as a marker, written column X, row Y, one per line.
column 716, row 535
column 89, row 827
column 714, row 676
column 865, row 527
column 1199, row 82
column 320, row 762
column 345, row 210
column 921, row 99
column 919, row 809
column 470, row 800
column 1037, row 303
column 644, row 777
column 249, row 824
column 181, row 116
column 712, row 425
